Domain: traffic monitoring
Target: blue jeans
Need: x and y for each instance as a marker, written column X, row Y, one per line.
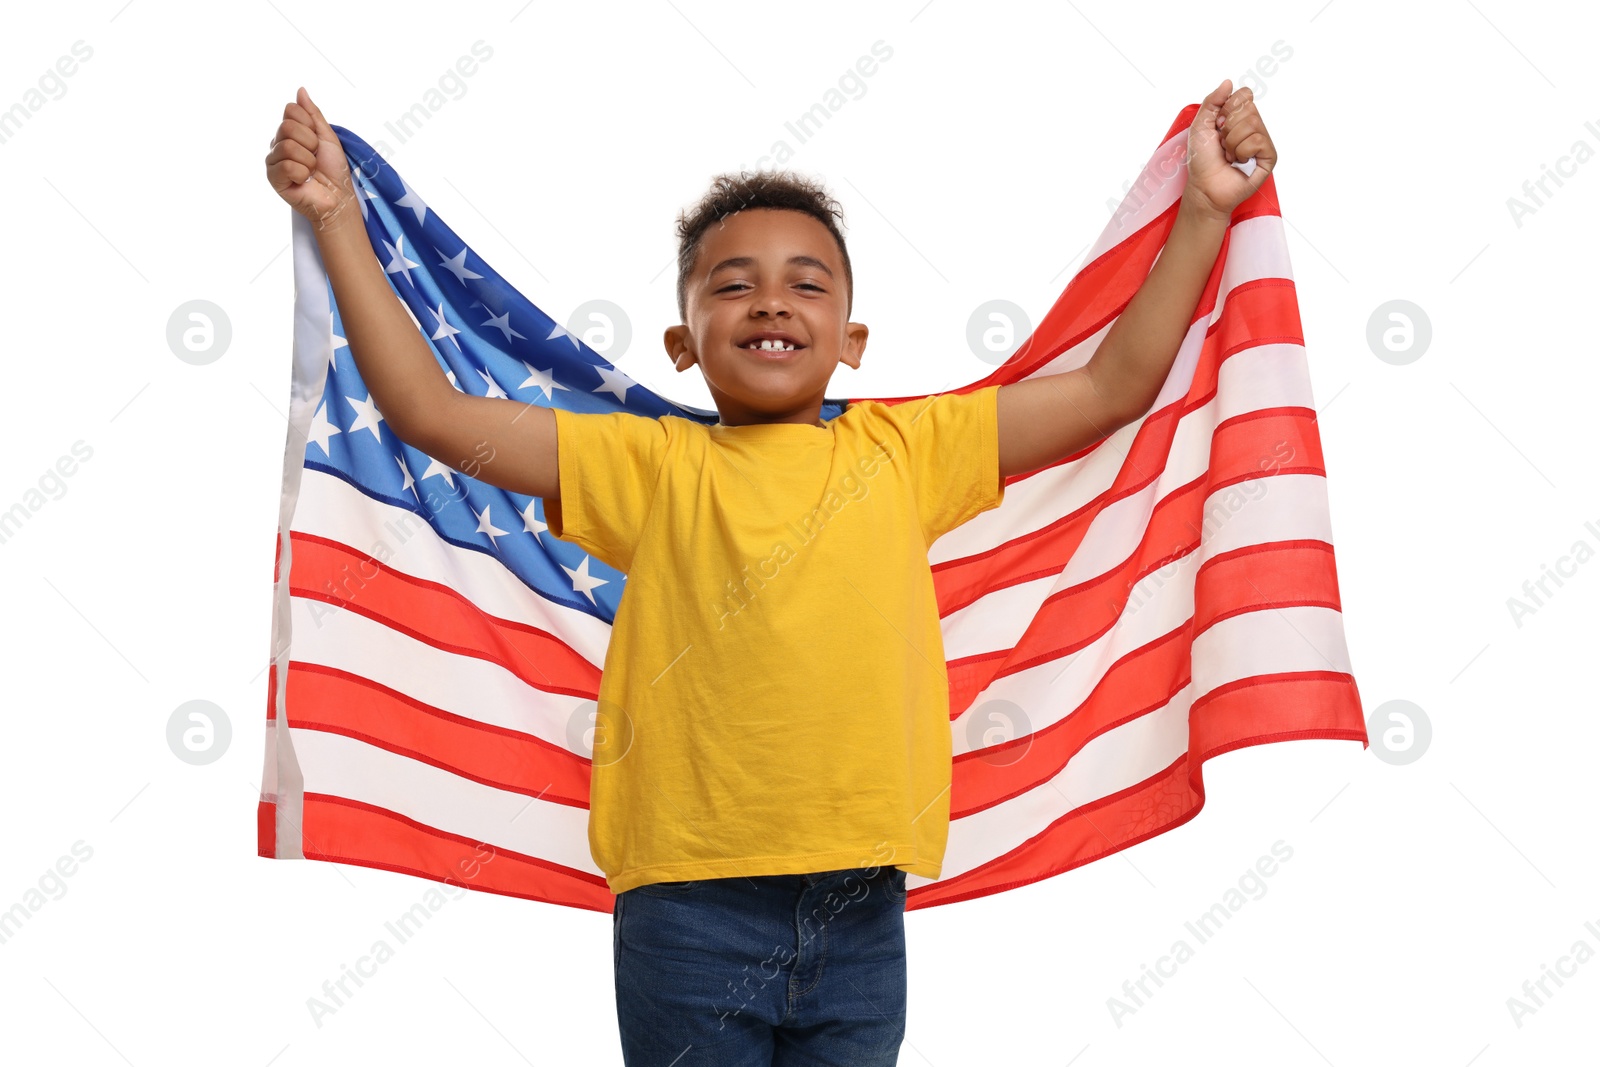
column 777, row 970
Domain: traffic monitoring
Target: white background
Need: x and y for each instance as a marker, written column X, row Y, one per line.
column 980, row 162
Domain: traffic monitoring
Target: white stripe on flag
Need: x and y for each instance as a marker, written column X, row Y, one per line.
column 1105, row 765
column 1244, row 646
column 467, row 686
column 345, row 767
column 330, row 507
column 1247, row 645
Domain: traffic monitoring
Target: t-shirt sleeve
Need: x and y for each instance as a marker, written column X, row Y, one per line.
column 952, row 448
column 609, row 463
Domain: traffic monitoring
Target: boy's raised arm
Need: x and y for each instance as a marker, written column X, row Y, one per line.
column 502, row 442
column 1044, row 419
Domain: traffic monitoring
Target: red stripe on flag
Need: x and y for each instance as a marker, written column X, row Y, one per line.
column 1101, row 290
column 1242, row 448
column 266, row 829
column 1143, row 679
column 272, row 689
column 341, row 830
column 1072, row 618
column 1296, row 707
column 326, row 698
column 325, row 570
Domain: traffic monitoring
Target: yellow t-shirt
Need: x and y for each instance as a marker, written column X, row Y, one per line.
column 774, row 697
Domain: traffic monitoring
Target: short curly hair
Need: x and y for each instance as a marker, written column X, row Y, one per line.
column 730, row 193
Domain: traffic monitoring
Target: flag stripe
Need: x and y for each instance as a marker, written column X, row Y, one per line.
column 469, row 687
column 342, row 578
column 991, row 623
column 1094, row 542
column 1132, row 685
column 1254, row 250
column 350, row 831
column 1282, row 383
column 331, row 508
column 341, row 702
column 348, row 767
column 978, row 861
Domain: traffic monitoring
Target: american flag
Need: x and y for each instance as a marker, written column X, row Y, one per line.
column 1127, row 613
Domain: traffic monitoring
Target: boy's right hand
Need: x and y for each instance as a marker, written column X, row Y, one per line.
column 307, row 166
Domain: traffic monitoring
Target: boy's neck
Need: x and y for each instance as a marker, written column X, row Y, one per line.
column 819, row 424
column 811, row 418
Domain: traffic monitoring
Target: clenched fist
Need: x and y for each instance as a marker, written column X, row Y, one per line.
column 307, row 166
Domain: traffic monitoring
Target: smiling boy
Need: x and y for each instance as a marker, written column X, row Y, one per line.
column 772, row 751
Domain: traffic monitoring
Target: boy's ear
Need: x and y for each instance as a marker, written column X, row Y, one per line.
column 855, row 343
column 677, row 341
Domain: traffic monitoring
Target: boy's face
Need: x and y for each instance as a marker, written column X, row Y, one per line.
column 759, row 270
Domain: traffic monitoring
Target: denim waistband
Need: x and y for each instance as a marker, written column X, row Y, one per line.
column 860, row 873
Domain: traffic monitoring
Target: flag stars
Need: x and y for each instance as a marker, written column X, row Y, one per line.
column 445, row 329
column 321, row 430
column 367, row 416
column 364, row 191
column 412, row 201
column 530, row 520
column 494, row 298
column 582, row 580
column 487, row 527
column 558, row 330
column 442, row 470
column 338, row 343
column 616, row 383
column 503, row 324
column 457, row 265
column 493, row 386
column 398, row 263
column 405, row 474
column 541, row 379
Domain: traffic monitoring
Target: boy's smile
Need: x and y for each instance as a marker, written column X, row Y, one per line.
column 767, row 309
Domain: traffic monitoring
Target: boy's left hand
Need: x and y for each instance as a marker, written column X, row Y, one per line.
column 1227, row 128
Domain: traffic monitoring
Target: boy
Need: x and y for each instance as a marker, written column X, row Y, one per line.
column 772, row 754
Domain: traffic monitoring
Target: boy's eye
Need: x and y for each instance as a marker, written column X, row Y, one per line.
column 803, row 285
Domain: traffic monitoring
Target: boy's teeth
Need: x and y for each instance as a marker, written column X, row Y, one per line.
column 771, row 346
